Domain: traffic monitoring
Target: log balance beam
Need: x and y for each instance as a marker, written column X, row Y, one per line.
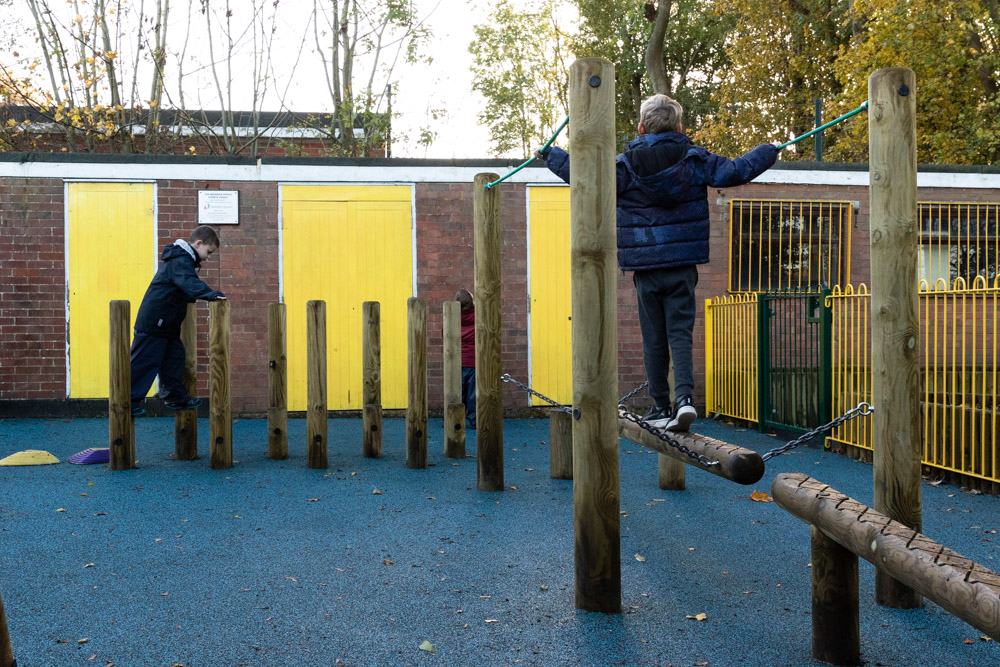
column 737, row 464
column 842, row 530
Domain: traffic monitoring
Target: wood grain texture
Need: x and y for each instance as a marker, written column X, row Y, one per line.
column 277, row 381
column 186, row 421
column 595, row 335
column 836, row 631
column 489, row 365
column 121, row 425
column 560, row 445
column 737, row 464
column 416, row 386
column 6, row 651
column 895, row 323
column 454, row 409
column 671, row 473
column 316, row 406
column 958, row 584
column 371, row 379
column 220, row 418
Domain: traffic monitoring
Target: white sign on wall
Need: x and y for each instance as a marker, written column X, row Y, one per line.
column 218, row 207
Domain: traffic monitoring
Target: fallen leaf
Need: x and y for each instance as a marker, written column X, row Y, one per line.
column 292, row 579
column 964, row 641
column 426, row 646
column 761, row 497
column 386, row 561
column 313, row 500
column 376, row 492
column 641, row 559
column 700, row 664
column 85, row 640
column 698, row 617
column 493, row 620
column 89, row 565
column 985, row 638
column 165, row 594
column 60, row 510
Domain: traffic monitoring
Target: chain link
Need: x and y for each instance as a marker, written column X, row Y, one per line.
column 572, row 412
column 863, row 409
column 621, row 401
column 625, row 413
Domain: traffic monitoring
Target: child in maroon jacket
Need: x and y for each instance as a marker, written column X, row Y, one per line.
column 468, row 355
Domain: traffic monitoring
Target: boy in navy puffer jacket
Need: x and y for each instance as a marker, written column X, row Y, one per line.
column 663, row 229
column 157, row 348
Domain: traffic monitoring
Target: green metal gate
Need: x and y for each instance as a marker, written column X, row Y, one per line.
column 794, row 352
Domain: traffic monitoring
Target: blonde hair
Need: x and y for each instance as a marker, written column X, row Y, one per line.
column 660, row 113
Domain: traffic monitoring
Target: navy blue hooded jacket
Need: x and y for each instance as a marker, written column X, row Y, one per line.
column 662, row 182
column 174, row 286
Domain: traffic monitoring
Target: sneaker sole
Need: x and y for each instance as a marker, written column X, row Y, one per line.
column 683, row 421
column 657, row 423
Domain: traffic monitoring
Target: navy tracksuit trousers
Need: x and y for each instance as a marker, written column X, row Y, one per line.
column 155, row 355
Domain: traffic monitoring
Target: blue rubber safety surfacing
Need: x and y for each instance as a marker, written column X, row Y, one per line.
column 270, row 563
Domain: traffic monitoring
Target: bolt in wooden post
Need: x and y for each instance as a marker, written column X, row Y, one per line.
column 121, row 425
column 6, row 652
column 416, row 405
column 489, row 366
column 454, row 410
column 894, row 303
column 836, row 638
column 671, row 473
column 186, row 421
column 277, row 382
column 595, row 335
column 220, row 414
column 371, row 388
column 560, row 444
column 316, row 415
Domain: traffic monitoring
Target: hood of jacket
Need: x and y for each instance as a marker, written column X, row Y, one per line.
column 180, row 248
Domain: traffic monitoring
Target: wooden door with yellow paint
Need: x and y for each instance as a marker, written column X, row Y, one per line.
column 346, row 245
column 111, row 254
column 551, row 296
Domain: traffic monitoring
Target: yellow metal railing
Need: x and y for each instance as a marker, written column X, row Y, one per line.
column 731, row 356
column 788, row 244
column 958, row 240
column 959, row 345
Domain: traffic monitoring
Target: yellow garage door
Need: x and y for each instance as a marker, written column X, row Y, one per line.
column 551, row 304
column 111, row 237
column 346, row 245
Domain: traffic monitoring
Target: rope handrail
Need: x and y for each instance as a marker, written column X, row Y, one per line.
column 864, row 105
column 530, row 159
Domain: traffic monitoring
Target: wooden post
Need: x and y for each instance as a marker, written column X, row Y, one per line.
column 371, row 388
column 416, row 386
column 316, row 415
column 454, row 409
column 121, row 425
column 186, row 421
column 220, row 417
column 489, row 366
column 560, row 444
column 277, row 382
column 836, row 633
column 895, row 319
column 672, row 475
column 595, row 336
column 6, row 652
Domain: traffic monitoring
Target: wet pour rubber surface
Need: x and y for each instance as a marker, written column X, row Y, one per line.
column 270, row 563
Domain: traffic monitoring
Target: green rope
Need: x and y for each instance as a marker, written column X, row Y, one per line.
column 530, row 159
column 864, row 105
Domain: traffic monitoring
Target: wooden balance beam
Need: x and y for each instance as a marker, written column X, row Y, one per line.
column 844, row 529
column 737, row 464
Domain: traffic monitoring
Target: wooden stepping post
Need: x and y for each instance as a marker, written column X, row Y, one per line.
column 121, row 425
column 560, row 444
column 186, row 421
column 454, row 409
column 316, row 415
column 220, row 418
column 416, row 405
column 371, row 378
column 6, row 652
column 277, row 382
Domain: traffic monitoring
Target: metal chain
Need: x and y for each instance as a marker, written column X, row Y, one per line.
column 863, row 409
column 621, row 401
column 625, row 413
column 572, row 412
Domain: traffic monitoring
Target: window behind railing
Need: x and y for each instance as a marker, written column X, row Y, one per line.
column 958, row 240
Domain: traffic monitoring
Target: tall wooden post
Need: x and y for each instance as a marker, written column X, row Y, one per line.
column 6, row 652
column 454, row 410
column 316, row 409
column 560, row 444
column 277, row 382
column 121, row 425
column 186, row 421
column 489, row 367
column 416, row 405
column 895, row 321
column 371, row 379
column 220, row 417
column 836, row 638
column 595, row 335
